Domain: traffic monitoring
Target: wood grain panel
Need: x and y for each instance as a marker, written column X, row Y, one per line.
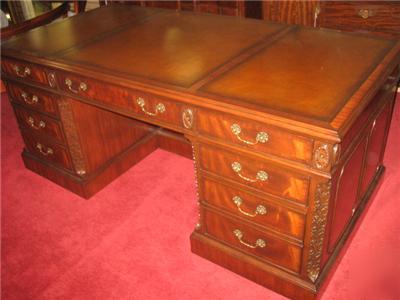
column 25, row 95
column 380, row 17
column 40, row 124
column 276, row 251
column 280, row 182
column 24, row 70
column 47, row 150
column 279, row 142
column 276, row 217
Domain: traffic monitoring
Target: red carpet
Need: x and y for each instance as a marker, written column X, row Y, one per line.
column 131, row 241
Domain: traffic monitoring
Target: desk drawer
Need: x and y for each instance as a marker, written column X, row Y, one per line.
column 253, row 241
column 362, row 15
column 255, row 209
column 255, row 136
column 47, row 150
column 254, row 173
column 34, row 98
column 40, row 124
column 153, row 109
column 27, row 71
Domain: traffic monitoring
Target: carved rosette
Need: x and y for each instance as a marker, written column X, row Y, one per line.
column 321, row 156
column 318, row 225
column 72, row 136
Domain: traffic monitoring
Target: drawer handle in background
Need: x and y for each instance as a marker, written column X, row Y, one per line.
column 25, row 73
column 261, row 175
column 48, row 151
column 31, row 123
column 160, row 107
column 262, row 137
column 34, row 99
column 259, row 242
column 364, row 13
column 82, row 86
column 260, row 209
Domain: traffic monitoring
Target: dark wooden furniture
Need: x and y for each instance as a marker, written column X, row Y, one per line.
column 287, row 124
column 230, row 8
column 377, row 17
column 38, row 16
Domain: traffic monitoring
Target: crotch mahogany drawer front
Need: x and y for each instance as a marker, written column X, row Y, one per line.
column 254, row 209
column 24, row 70
column 252, row 241
column 255, row 136
column 365, row 15
column 158, row 109
column 47, row 150
column 255, row 173
column 39, row 124
column 148, row 107
column 34, row 98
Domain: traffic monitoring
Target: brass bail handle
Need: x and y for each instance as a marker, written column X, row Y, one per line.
column 260, row 176
column 260, row 243
column 26, row 72
column 81, row 88
column 261, row 137
column 159, row 108
column 260, row 209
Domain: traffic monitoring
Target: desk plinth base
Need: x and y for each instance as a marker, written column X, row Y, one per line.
column 90, row 185
column 251, row 268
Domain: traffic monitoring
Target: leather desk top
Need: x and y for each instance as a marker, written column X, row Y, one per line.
column 313, row 76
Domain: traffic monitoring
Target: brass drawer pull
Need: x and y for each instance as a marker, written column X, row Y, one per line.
column 46, row 152
column 160, row 107
column 82, row 86
column 262, row 137
column 261, row 175
column 25, row 73
column 259, row 242
column 260, row 210
column 364, row 13
column 31, row 123
column 34, row 99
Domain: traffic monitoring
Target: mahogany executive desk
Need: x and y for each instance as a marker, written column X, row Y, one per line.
column 288, row 125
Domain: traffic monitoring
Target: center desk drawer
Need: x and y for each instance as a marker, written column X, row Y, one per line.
column 254, row 209
column 255, row 242
column 33, row 98
column 150, row 108
column 255, row 173
column 255, row 136
column 39, row 124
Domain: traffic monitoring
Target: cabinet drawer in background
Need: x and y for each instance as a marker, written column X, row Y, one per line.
column 255, row 136
column 47, row 150
column 39, row 124
column 24, row 70
column 253, row 241
column 254, row 173
column 374, row 16
column 33, row 98
column 252, row 208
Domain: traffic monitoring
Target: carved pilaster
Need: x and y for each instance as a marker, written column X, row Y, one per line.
column 318, row 225
column 71, row 134
column 194, row 152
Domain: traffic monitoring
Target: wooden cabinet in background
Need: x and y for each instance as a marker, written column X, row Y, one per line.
column 378, row 17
